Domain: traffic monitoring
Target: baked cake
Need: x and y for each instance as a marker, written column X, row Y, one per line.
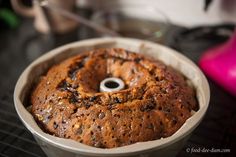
column 155, row 103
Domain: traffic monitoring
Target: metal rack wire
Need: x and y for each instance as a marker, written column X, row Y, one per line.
column 15, row 139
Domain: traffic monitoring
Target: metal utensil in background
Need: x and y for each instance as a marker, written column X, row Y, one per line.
column 79, row 19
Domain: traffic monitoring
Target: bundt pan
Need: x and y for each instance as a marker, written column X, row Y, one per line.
column 59, row 147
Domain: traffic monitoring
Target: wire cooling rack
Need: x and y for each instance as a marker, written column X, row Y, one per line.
column 15, row 139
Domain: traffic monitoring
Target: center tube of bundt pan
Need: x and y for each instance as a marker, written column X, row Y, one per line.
column 111, row 84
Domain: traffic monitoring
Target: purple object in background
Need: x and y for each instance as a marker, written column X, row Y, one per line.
column 219, row 64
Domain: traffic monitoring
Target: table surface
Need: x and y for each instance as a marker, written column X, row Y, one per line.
column 21, row 46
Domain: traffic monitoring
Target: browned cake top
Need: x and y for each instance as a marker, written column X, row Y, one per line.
column 155, row 103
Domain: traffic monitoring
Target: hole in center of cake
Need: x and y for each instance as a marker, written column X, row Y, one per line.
column 111, row 84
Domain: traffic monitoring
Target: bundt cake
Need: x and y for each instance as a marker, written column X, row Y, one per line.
column 155, row 103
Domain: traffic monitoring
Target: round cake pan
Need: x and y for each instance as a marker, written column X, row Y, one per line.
column 59, row 147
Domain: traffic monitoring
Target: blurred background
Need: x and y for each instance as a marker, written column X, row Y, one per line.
column 202, row 30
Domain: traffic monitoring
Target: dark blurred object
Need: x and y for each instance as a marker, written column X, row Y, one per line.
column 5, row 4
column 8, row 19
column 198, row 39
column 207, row 4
